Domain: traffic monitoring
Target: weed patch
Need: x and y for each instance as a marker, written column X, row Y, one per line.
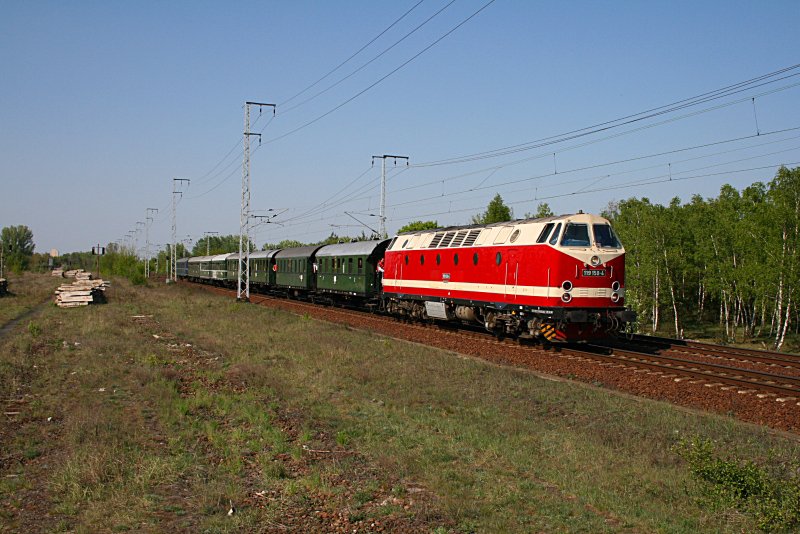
column 770, row 493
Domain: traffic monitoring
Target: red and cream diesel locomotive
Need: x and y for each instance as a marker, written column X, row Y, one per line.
column 558, row 278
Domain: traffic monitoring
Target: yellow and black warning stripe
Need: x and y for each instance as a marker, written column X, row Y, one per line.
column 550, row 333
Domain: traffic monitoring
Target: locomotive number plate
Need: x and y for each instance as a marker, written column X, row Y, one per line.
column 594, row 272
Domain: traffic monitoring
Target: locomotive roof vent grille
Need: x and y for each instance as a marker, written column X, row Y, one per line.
column 471, row 237
column 436, row 239
column 458, row 239
column 446, row 239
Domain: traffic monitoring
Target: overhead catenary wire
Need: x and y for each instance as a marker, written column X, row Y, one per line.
column 640, row 128
column 728, row 91
column 712, row 108
column 650, row 181
column 374, row 84
column 365, row 65
column 351, row 198
column 561, row 182
column 654, row 181
column 298, row 220
column 343, row 63
column 209, row 176
column 704, row 97
column 598, row 165
column 635, row 117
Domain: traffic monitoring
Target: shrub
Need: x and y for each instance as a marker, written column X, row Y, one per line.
column 771, row 494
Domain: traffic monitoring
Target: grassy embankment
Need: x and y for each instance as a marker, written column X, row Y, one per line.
column 26, row 291
column 301, row 423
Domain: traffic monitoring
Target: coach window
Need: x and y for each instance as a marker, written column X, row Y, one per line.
column 455, row 259
column 438, row 259
column 475, row 259
column 554, row 239
column 545, row 232
column 360, row 264
column 349, row 265
column 498, row 258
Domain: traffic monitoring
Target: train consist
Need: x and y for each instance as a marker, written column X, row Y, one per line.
column 559, row 279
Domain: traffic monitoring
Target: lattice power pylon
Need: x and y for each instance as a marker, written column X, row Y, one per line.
column 173, row 261
column 243, row 285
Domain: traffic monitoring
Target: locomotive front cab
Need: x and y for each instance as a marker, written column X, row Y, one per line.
column 592, row 267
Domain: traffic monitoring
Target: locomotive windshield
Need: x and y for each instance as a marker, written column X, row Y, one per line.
column 576, row 235
column 605, row 237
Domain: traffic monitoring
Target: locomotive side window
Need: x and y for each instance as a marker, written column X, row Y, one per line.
column 498, row 258
column 545, row 232
column 438, row 259
column 406, row 259
column 605, row 237
column 576, row 235
column 455, row 259
column 554, row 239
column 421, row 259
column 475, row 259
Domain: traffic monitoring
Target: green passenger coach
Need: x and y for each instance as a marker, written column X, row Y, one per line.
column 294, row 269
column 350, row 268
column 261, row 267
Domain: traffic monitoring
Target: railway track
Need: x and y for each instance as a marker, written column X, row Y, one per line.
column 650, row 344
column 782, row 387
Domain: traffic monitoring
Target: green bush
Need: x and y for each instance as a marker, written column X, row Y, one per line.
column 770, row 494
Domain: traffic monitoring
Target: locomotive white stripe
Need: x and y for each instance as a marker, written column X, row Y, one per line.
column 500, row 289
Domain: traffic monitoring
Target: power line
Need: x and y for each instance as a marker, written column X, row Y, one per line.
column 628, row 119
column 606, row 164
column 664, row 179
column 369, row 186
column 203, row 179
column 437, row 41
column 562, row 182
column 365, row 65
column 340, row 65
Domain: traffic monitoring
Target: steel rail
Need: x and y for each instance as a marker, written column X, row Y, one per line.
column 731, row 375
column 719, row 349
column 709, row 350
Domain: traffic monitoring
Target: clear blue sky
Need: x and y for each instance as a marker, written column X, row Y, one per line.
column 103, row 103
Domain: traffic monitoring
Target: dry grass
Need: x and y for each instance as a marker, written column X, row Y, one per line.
column 232, row 400
column 26, row 291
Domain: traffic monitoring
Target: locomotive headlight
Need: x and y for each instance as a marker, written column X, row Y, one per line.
column 595, row 261
column 615, row 286
column 566, row 286
column 614, row 297
column 566, row 297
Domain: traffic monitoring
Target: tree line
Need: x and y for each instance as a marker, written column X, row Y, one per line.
column 730, row 261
